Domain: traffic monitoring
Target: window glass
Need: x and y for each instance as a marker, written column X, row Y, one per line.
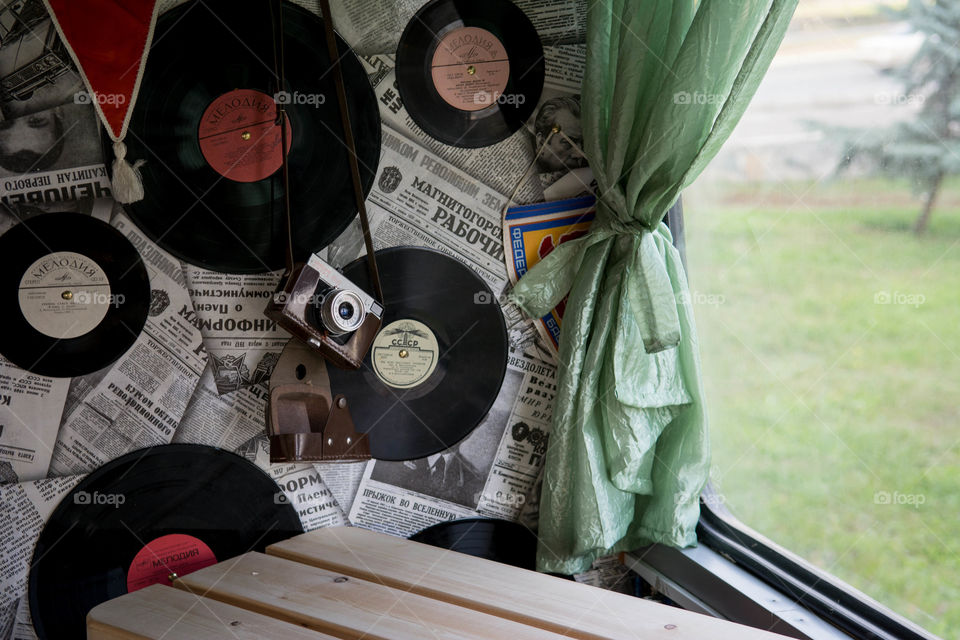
column 828, row 304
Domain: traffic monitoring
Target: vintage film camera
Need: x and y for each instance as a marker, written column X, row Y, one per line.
column 320, row 306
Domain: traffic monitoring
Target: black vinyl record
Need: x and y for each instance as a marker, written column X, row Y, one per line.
column 137, row 519
column 437, row 365
column 205, row 123
column 499, row 540
column 75, row 291
column 470, row 73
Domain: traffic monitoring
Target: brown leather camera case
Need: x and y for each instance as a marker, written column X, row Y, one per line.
column 305, row 422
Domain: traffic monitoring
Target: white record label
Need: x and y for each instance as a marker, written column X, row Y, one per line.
column 64, row 295
column 404, row 354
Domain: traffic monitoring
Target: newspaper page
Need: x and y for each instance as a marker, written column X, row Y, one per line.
column 343, row 480
column 531, row 232
column 24, row 509
column 493, row 472
column 565, row 64
column 609, row 573
column 557, row 22
column 530, row 512
column 378, row 66
column 420, row 200
column 139, row 400
column 243, row 344
column 23, row 629
column 305, row 489
column 51, row 157
column 36, row 72
column 31, row 406
column 374, row 26
column 226, row 421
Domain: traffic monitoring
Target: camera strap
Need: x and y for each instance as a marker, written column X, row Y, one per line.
column 348, row 139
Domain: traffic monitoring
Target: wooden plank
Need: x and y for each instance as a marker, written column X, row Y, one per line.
column 344, row 607
column 163, row 612
column 561, row 606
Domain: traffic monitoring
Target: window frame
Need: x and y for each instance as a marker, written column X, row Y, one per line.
column 814, row 589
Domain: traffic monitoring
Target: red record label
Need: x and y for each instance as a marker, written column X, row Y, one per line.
column 161, row 557
column 239, row 136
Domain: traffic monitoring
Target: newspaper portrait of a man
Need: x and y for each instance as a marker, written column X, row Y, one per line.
column 559, row 156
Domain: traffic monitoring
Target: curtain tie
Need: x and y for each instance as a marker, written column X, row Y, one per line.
column 648, row 292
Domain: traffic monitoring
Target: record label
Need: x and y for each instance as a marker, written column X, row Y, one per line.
column 470, row 68
column 64, row 295
column 239, row 136
column 175, row 553
column 405, row 353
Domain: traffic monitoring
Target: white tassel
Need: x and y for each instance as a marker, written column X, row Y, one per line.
column 127, row 183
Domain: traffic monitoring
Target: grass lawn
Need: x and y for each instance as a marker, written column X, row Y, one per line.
column 831, row 349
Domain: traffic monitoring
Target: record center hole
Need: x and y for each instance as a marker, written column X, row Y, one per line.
column 301, row 372
column 245, row 135
column 67, row 295
column 471, row 70
column 403, row 353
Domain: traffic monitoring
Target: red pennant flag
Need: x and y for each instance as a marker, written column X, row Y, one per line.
column 109, row 41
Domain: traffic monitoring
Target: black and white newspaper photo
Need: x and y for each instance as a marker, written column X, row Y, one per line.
column 36, row 72
column 52, row 156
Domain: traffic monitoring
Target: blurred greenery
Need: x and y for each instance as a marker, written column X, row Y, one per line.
column 831, row 353
column 924, row 147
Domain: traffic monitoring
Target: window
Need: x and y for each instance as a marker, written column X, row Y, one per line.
column 829, row 328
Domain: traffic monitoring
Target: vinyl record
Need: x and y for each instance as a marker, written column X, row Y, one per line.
column 498, row 540
column 470, row 73
column 138, row 519
column 437, row 365
column 204, row 122
column 75, row 291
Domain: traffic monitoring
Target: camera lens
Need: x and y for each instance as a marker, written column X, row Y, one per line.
column 341, row 311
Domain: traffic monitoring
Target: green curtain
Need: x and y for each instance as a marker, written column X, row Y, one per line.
column 665, row 83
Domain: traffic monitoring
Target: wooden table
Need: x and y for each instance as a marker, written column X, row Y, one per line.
column 347, row 582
